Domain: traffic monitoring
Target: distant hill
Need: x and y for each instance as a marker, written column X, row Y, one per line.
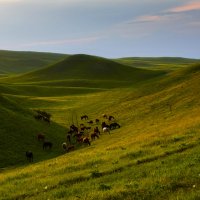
column 86, row 67
column 158, row 63
column 20, row 62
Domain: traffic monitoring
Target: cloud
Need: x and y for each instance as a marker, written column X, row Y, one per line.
column 76, row 41
column 185, row 8
column 175, row 13
column 146, row 18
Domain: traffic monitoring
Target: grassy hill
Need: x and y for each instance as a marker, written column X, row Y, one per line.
column 154, row 155
column 86, row 71
column 18, row 132
column 12, row 62
column 160, row 63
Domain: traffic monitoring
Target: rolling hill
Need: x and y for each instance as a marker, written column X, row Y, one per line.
column 154, row 155
column 86, row 67
column 12, row 62
column 158, row 63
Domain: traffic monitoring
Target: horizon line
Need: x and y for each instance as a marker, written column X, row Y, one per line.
column 120, row 57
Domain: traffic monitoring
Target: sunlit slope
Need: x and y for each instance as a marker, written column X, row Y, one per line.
column 18, row 62
column 18, row 133
column 158, row 63
column 154, row 155
column 85, row 67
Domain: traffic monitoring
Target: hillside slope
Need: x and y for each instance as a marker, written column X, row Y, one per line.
column 18, row 133
column 19, row 62
column 154, row 155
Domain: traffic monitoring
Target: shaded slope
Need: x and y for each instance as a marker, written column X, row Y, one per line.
column 19, row 62
column 88, row 67
column 18, row 131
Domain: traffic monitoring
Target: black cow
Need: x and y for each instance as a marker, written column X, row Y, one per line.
column 114, row 126
column 47, row 145
column 29, row 156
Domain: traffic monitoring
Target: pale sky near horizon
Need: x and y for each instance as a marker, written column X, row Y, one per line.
column 109, row 28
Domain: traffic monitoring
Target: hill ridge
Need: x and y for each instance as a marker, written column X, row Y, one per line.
column 82, row 66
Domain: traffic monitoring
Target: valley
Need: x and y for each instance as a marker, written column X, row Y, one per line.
column 153, row 155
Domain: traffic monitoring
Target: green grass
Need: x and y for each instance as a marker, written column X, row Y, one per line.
column 19, row 131
column 154, row 155
column 160, row 63
column 12, row 62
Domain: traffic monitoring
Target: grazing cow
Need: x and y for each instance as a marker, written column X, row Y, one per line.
column 73, row 128
column 38, row 117
column 104, row 125
column 97, row 121
column 84, row 117
column 46, row 120
column 111, row 118
column 42, row 118
column 105, row 116
column 47, row 145
column 29, row 156
column 79, row 139
column 96, row 130
column 83, row 128
column 90, row 122
column 69, row 137
column 86, row 141
column 79, row 134
column 66, row 147
column 88, row 128
column 41, row 137
column 106, row 130
column 94, row 135
column 114, row 126
column 70, row 148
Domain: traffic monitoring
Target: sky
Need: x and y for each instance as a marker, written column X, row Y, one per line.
column 108, row 28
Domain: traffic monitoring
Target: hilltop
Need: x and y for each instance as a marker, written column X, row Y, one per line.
column 86, row 67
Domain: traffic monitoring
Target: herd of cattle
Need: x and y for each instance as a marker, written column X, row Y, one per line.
column 82, row 134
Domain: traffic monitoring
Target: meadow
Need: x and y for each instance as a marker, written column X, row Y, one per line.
column 154, row 155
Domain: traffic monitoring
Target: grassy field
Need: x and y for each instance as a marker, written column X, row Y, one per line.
column 154, row 155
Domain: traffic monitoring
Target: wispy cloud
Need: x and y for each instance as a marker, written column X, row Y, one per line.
column 170, row 20
column 167, row 15
column 146, row 18
column 77, row 41
column 185, row 8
